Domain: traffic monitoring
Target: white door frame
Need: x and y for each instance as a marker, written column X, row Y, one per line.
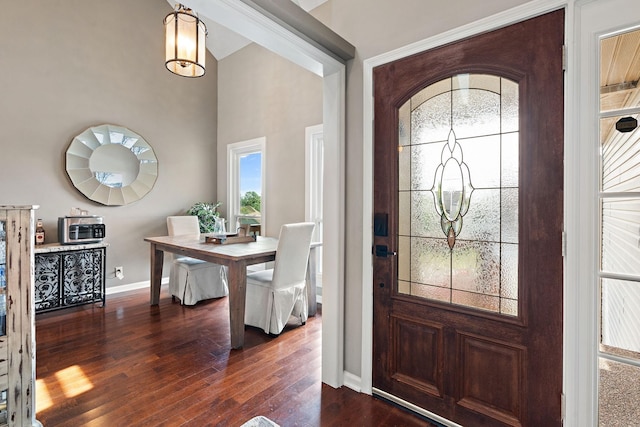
column 593, row 19
column 313, row 197
column 250, row 23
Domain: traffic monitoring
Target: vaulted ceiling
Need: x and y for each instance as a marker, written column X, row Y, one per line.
column 222, row 42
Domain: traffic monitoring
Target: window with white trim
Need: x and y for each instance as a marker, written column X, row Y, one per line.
column 246, row 184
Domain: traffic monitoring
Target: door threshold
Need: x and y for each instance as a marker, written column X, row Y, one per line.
column 430, row 416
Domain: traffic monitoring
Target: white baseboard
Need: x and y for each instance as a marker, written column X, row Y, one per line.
column 131, row 286
column 352, row 381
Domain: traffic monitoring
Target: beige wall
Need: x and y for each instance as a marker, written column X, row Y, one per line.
column 376, row 27
column 70, row 64
column 262, row 95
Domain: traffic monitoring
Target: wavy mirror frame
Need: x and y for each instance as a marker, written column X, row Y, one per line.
column 113, row 175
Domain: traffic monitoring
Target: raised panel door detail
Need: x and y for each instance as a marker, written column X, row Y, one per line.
column 492, row 377
column 417, row 357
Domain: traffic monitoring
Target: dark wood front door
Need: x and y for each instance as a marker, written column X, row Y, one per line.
column 468, row 197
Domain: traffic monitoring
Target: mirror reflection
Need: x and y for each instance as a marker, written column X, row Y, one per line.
column 111, row 165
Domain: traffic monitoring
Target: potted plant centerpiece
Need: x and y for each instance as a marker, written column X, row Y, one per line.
column 208, row 217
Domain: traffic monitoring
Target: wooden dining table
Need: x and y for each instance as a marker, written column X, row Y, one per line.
column 236, row 257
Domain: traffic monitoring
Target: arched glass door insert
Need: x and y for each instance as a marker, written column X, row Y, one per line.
column 458, row 193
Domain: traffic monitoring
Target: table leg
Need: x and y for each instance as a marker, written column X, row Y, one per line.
column 157, row 259
column 312, row 268
column 237, row 298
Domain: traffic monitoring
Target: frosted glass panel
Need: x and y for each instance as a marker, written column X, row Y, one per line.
column 482, row 222
column 476, row 267
column 404, row 125
column 404, row 213
column 621, row 235
column 431, row 121
column 458, row 193
column 510, row 159
column 471, row 299
column 482, row 156
column 430, row 262
column 476, row 113
column 404, row 168
column 425, row 221
column 510, row 106
column 509, row 215
column 404, row 259
column 509, row 271
column 432, row 292
column 425, row 159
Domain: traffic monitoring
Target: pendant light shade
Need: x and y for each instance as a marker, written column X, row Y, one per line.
column 185, row 46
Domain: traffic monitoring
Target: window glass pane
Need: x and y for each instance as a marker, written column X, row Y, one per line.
column 250, row 188
column 619, row 394
column 620, row 308
column 458, row 199
column 620, row 156
column 620, row 235
column 620, row 71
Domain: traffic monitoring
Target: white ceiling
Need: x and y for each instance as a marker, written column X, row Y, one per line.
column 222, row 42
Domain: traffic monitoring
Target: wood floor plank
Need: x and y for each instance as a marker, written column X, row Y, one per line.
column 131, row 364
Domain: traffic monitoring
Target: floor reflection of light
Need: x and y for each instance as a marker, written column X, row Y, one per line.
column 71, row 381
column 43, row 398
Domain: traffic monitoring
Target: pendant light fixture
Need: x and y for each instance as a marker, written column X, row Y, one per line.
column 185, row 46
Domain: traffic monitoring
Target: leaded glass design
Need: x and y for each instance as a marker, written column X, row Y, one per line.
column 458, row 162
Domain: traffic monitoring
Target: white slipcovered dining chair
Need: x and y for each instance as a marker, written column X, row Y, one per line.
column 192, row 280
column 276, row 294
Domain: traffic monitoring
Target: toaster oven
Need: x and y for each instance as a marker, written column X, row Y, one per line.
column 80, row 229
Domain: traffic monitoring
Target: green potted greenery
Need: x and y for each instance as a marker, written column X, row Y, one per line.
column 207, row 214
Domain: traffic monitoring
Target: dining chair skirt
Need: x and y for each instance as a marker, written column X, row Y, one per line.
column 192, row 280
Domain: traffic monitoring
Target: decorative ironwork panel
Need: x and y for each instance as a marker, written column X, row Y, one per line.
column 47, row 281
column 78, row 280
column 69, row 278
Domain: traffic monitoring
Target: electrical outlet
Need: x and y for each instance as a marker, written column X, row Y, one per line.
column 119, row 272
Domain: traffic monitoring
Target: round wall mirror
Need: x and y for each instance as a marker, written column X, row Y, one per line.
column 111, row 165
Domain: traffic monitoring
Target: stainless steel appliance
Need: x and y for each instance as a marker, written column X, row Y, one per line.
column 80, row 229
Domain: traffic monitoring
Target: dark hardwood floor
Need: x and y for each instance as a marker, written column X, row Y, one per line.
column 131, row 364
